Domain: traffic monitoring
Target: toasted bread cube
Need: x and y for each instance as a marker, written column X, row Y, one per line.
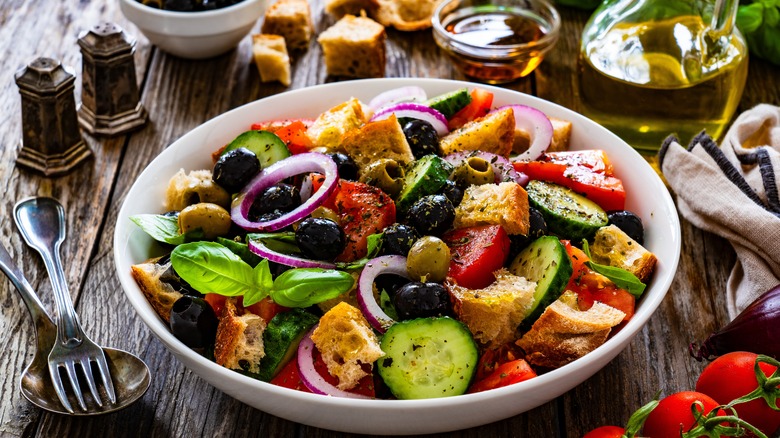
column 346, row 342
column 376, row 140
column 328, row 129
column 560, row 140
column 563, row 333
column 340, row 8
column 271, row 58
column 160, row 294
column 405, row 15
column 494, row 133
column 504, row 204
column 492, row 314
column 613, row 247
column 239, row 341
column 290, row 19
column 354, row 47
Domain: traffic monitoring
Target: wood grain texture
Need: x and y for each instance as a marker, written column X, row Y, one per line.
column 180, row 95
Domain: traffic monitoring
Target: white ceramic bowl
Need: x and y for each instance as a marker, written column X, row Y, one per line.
column 194, row 35
column 647, row 196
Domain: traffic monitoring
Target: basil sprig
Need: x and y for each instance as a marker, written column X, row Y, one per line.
column 165, row 229
column 622, row 278
column 210, row 267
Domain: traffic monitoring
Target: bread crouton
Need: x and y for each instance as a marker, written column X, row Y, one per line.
column 346, row 342
column 328, row 129
column 186, row 189
column 354, row 47
column 504, row 204
column 239, row 343
column 271, row 59
column 563, row 333
column 560, row 140
column 492, row 314
column 494, row 133
column 375, row 140
column 613, row 247
column 405, row 15
column 340, row 8
column 290, row 19
column 161, row 295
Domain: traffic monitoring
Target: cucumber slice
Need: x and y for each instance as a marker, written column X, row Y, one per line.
column 428, row 358
column 281, row 338
column 268, row 147
column 568, row 214
column 546, row 262
column 425, row 177
column 450, row 103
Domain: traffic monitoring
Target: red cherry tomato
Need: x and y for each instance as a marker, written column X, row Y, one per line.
column 731, row 376
column 605, row 432
column 363, row 210
column 481, row 102
column 477, row 252
column 673, row 414
column 505, row 375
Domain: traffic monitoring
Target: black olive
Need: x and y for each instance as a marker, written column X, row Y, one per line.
column 397, row 239
column 171, row 277
column 346, row 166
column 274, row 202
column 629, row 222
column 389, row 283
column 453, row 192
column 421, row 300
column 422, row 138
column 538, row 228
column 320, row 239
column 235, row 169
column 277, row 269
column 431, row 215
column 180, row 5
column 194, row 323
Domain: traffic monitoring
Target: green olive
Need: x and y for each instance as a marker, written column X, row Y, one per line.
column 474, row 171
column 211, row 218
column 326, row 213
column 386, row 174
column 429, row 258
column 195, row 187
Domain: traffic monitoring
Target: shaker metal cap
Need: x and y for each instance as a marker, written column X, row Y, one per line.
column 105, row 40
column 44, row 76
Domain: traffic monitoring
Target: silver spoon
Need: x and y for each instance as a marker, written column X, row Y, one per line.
column 130, row 375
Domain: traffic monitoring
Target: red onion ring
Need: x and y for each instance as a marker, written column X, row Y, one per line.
column 397, row 95
column 291, row 166
column 415, row 111
column 389, row 264
column 537, row 125
column 502, row 167
column 309, row 375
column 259, row 248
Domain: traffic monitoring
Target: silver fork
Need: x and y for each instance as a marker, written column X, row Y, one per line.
column 42, row 224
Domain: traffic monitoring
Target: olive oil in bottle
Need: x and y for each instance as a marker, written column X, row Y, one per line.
column 647, row 80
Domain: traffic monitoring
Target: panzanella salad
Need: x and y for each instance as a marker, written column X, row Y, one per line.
column 409, row 247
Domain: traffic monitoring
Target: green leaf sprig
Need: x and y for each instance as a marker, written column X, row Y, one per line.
column 165, row 229
column 622, row 278
column 759, row 21
column 210, row 267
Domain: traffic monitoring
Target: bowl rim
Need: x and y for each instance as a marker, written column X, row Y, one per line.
column 544, row 43
column 597, row 358
column 189, row 16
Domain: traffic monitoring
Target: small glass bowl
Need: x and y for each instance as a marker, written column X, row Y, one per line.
column 489, row 40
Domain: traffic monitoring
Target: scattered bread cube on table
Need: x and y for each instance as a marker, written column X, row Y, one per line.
column 340, row 8
column 290, row 19
column 271, row 58
column 354, row 47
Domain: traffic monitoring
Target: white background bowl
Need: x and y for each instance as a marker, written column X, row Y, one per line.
column 194, row 35
column 647, row 196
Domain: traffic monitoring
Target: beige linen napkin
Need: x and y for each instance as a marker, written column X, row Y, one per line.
column 732, row 191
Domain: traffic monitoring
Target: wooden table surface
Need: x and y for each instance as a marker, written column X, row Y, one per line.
column 181, row 94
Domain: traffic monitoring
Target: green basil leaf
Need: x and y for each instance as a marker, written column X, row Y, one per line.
column 212, row 268
column 165, row 229
column 303, row 287
column 242, row 250
column 386, row 303
column 622, row 278
column 264, row 281
column 280, row 242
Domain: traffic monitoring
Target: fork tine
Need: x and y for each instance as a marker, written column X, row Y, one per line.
column 87, row 368
column 54, row 371
column 105, row 374
column 70, row 367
